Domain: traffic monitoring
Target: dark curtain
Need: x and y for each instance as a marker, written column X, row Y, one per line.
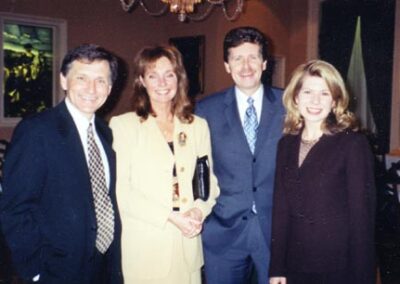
column 377, row 35
column 337, row 30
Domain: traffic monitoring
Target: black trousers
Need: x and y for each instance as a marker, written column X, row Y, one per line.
column 99, row 273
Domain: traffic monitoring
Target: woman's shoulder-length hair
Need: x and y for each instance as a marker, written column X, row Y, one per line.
column 182, row 107
column 340, row 117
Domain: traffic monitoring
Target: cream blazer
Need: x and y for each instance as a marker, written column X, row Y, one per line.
column 144, row 194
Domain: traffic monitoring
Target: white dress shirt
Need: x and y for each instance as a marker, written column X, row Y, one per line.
column 82, row 124
column 241, row 99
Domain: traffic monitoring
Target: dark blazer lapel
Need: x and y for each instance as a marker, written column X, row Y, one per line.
column 317, row 156
column 72, row 143
column 266, row 120
column 105, row 136
column 69, row 133
column 293, row 153
column 233, row 119
column 65, row 123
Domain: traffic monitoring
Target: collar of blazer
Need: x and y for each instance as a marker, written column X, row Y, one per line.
column 157, row 137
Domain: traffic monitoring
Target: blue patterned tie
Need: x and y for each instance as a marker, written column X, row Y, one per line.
column 251, row 124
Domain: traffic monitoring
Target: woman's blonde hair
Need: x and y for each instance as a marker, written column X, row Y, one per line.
column 181, row 105
column 340, row 117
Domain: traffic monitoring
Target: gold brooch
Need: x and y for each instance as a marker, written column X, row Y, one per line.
column 182, row 138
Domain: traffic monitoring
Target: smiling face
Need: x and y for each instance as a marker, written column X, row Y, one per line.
column 160, row 81
column 87, row 85
column 245, row 64
column 314, row 101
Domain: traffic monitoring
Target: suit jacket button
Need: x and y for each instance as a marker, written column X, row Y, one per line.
column 94, row 228
column 182, row 169
column 254, row 160
column 244, row 218
column 254, row 189
column 184, row 200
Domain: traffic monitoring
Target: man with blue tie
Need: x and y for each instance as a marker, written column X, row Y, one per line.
column 58, row 207
column 246, row 123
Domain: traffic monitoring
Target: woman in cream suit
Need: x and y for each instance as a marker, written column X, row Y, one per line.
column 157, row 146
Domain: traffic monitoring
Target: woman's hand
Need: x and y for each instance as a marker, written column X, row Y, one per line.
column 187, row 225
column 196, row 216
column 277, row 280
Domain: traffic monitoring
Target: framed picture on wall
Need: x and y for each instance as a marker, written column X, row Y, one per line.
column 274, row 75
column 30, row 55
column 278, row 75
column 192, row 49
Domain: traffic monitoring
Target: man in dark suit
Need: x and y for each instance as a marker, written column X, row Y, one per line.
column 245, row 123
column 58, row 208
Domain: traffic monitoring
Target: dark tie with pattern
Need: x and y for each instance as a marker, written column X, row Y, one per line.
column 102, row 202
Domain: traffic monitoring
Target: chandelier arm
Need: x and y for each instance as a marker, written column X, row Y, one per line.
column 212, row 4
column 127, row 6
column 216, row 2
column 236, row 13
column 151, row 13
column 200, row 18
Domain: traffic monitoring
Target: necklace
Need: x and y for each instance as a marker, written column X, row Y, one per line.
column 309, row 142
column 167, row 128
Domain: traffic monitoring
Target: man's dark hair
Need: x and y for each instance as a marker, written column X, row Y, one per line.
column 90, row 53
column 237, row 36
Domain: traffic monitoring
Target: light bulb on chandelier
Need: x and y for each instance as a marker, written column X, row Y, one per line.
column 186, row 8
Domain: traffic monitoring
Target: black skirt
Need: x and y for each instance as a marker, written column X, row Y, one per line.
column 336, row 277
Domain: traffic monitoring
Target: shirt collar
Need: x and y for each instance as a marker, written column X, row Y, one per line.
column 81, row 121
column 241, row 100
column 242, row 97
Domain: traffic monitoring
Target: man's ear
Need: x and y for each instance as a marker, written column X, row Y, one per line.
column 63, row 82
column 227, row 68
column 264, row 66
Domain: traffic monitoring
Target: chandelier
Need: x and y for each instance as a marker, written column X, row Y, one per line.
column 186, row 8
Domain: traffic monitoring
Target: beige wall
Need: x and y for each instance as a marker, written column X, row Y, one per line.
column 105, row 23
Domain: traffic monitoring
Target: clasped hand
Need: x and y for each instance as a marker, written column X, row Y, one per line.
column 189, row 222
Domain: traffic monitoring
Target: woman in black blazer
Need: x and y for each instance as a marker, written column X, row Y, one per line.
column 323, row 214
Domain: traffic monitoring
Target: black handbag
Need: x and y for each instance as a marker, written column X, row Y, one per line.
column 201, row 179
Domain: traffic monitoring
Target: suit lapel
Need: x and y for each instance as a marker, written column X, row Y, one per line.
column 106, row 140
column 105, row 137
column 314, row 157
column 70, row 135
column 234, row 121
column 266, row 119
column 184, row 147
column 72, row 143
column 156, row 140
